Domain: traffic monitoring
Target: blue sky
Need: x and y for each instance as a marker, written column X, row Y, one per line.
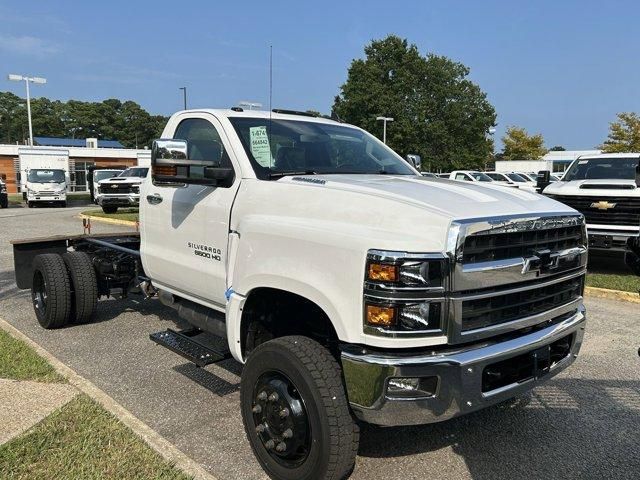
column 561, row 68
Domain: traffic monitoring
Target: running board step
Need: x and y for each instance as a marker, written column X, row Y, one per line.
column 195, row 345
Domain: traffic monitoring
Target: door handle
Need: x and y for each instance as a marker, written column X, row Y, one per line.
column 154, row 199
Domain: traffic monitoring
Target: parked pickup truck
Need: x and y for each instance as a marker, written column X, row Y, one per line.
column 349, row 286
column 606, row 190
column 122, row 190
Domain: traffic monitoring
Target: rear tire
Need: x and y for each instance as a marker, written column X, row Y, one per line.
column 109, row 209
column 84, row 286
column 51, row 291
column 316, row 438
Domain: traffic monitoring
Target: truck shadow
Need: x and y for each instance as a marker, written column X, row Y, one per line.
column 8, row 287
column 558, row 431
column 210, row 380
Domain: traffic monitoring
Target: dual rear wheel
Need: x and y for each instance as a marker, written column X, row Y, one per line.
column 64, row 289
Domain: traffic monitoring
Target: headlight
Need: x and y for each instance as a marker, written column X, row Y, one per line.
column 404, row 270
column 404, row 293
column 403, row 316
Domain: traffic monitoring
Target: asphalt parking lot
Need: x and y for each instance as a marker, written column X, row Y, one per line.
column 584, row 423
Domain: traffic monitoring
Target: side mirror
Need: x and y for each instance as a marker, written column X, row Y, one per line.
column 543, row 180
column 414, row 160
column 170, row 164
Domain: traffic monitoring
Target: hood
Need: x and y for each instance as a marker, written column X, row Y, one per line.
column 128, row 180
column 606, row 187
column 448, row 198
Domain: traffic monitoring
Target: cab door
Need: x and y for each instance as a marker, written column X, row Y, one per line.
column 185, row 228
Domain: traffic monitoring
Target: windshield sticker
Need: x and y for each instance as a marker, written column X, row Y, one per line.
column 260, row 148
column 582, row 162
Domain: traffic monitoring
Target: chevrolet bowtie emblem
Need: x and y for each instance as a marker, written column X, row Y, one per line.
column 116, row 186
column 603, row 205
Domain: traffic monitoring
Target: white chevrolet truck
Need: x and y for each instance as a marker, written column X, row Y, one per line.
column 606, row 190
column 351, row 287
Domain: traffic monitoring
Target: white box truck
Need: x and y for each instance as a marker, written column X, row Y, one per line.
column 44, row 175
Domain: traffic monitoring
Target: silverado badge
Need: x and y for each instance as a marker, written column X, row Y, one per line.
column 603, row 205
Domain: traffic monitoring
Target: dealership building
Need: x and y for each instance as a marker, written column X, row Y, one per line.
column 78, row 154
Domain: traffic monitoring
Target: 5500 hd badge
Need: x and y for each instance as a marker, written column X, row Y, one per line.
column 205, row 251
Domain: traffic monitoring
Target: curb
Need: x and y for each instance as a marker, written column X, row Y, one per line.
column 157, row 442
column 113, row 221
column 612, row 294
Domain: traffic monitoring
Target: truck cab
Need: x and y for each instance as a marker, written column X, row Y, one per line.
column 46, row 185
column 351, row 287
column 606, row 190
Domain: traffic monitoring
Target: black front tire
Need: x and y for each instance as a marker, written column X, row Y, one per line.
column 51, row 291
column 314, row 379
column 29, row 204
column 84, row 286
column 109, row 209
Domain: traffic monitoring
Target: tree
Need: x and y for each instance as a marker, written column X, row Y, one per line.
column 558, row 148
column 519, row 145
column 624, row 134
column 110, row 119
column 438, row 113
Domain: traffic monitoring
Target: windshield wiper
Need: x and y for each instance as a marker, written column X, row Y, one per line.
column 286, row 174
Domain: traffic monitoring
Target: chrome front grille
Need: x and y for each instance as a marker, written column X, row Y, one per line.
column 117, row 188
column 495, row 310
column 511, row 273
column 499, row 246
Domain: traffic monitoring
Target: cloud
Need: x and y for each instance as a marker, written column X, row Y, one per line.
column 27, row 45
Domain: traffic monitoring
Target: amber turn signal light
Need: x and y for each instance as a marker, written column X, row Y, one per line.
column 381, row 316
column 379, row 272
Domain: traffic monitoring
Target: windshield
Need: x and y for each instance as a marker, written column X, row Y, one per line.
column 104, row 174
column 279, row 147
column 481, row 177
column 134, row 172
column 527, row 177
column 46, row 176
column 516, row 178
column 602, row 169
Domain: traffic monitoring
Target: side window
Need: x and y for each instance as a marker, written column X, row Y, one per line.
column 204, row 142
column 461, row 176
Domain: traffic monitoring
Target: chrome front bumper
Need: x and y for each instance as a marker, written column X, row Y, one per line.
column 129, row 200
column 459, row 373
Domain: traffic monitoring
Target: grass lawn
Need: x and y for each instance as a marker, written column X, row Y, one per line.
column 19, row 362
column 128, row 214
column 82, row 441
column 613, row 281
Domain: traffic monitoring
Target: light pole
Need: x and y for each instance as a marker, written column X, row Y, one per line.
column 184, row 96
column 384, row 127
column 251, row 105
column 20, row 78
column 491, row 132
